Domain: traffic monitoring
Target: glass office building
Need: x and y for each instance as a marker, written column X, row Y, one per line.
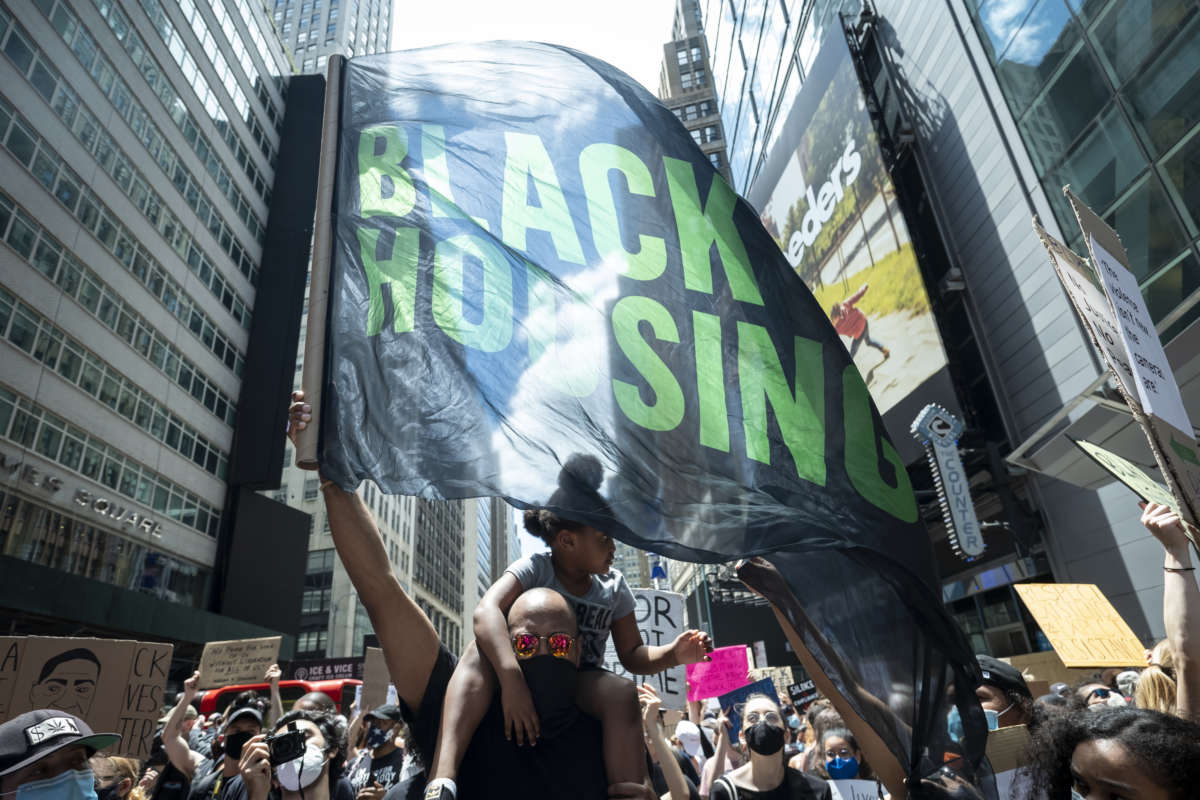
column 984, row 110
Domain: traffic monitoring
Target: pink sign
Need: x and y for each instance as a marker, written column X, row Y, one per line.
column 727, row 671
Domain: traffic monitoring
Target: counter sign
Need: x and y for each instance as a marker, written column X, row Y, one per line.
column 938, row 430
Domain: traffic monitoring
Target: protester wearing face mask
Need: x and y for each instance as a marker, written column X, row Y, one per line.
column 383, row 765
column 842, row 758
column 1004, row 694
column 225, row 782
column 767, row 775
column 114, row 778
column 44, row 756
column 313, row 775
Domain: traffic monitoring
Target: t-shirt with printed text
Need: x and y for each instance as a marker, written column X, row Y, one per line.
column 608, row 598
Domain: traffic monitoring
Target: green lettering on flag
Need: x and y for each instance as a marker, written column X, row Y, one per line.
column 862, row 461
column 800, row 414
column 492, row 333
column 527, row 157
column 397, row 270
column 384, row 187
column 710, row 381
column 437, row 176
column 667, row 410
column 699, row 228
column 595, row 163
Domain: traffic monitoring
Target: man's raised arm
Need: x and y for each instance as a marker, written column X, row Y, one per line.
column 409, row 641
column 175, row 741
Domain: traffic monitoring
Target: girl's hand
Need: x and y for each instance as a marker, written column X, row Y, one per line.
column 520, row 717
column 691, row 647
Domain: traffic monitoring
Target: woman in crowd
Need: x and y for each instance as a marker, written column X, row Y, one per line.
column 1116, row 753
column 842, row 759
column 766, row 775
column 826, row 718
column 1155, row 687
column 115, row 777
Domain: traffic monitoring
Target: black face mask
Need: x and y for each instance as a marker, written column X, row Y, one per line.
column 764, row 738
column 234, row 742
column 551, row 683
column 108, row 792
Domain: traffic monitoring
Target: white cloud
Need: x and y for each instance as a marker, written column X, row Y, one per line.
column 629, row 34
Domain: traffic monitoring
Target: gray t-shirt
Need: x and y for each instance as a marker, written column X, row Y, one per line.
column 607, row 599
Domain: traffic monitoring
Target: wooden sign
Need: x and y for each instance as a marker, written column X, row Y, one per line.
column 115, row 686
column 781, row 676
column 1046, row 667
column 1007, row 748
column 237, row 661
column 1084, row 628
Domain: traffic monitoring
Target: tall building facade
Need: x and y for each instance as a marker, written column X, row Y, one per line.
column 633, row 564
column 140, row 140
column 685, row 83
column 442, row 566
column 983, row 111
column 313, row 30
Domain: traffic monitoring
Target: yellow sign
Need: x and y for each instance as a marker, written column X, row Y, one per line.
column 1084, row 628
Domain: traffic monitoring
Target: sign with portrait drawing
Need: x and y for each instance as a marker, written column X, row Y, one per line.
column 115, row 686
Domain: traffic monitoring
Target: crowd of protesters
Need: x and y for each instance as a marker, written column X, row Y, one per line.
column 529, row 712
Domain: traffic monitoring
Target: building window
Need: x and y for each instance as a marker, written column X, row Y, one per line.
column 310, row 488
column 715, row 159
column 681, row 56
column 697, row 55
column 685, row 80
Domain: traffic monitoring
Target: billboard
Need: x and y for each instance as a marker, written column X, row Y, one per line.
column 826, row 198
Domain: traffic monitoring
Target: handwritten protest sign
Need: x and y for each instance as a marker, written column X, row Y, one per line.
column 116, row 686
column 1084, row 628
column 781, row 676
column 237, row 661
column 728, row 670
column 375, row 680
column 1046, row 667
column 733, row 702
column 659, row 617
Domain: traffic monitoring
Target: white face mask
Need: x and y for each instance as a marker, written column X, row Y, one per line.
column 302, row 772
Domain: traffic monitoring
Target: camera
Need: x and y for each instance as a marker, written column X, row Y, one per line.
column 287, row 746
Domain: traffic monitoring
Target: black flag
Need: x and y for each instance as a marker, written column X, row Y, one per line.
column 542, row 290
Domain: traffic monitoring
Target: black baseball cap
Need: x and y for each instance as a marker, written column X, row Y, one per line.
column 244, row 711
column 386, row 711
column 1004, row 677
column 34, row 735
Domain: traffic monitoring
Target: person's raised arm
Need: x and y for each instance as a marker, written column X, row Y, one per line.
column 653, row 728
column 715, row 766
column 640, row 658
column 275, row 711
column 174, row 740
column 409, row 641
column 1181, row 605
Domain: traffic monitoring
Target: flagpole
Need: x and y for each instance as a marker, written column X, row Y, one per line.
column 313, row 378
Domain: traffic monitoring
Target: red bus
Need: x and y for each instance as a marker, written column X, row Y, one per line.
column 341, row 691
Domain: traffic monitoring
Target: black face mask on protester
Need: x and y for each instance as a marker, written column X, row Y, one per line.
column 234, row 742
column 108, row 792
column 764, row 738
column 552, row 683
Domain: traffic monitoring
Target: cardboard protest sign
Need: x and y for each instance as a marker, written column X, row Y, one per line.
column 854, row 790
column 728, row 670
column 237, row 661
column 1046, row 667
column 116, row 686
column 1007, row 748
column 781, row 676
column 1084, row 628
column 660, row 618
column 1156, row 405
column 375, row 680
column 733, row 702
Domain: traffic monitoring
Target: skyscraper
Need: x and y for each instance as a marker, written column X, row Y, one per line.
column 313, row 30
column 685, row 83
column 140, row 143
column 439, row 565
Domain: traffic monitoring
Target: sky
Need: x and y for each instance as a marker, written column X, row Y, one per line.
column 629, row 34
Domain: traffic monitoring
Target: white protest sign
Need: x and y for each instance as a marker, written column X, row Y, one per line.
column 1087, row 295
column 238, row 661
column 1156, row 386
column 659, row 618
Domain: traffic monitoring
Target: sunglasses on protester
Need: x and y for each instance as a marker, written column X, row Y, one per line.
column 1103, row 694
column 525, row 645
